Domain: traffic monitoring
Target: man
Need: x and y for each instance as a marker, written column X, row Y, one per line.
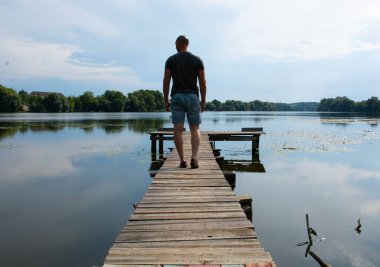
column 185, row 69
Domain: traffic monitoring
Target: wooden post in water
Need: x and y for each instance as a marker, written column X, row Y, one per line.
column 161, row 146
column 255, row 145
column 212, row 144
column 246, row 204
column 153, row 147
column 231, row 178
column 216, row 152
column 255, row 139
column 220, row 161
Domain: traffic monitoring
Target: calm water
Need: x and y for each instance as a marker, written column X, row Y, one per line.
column 68, row 182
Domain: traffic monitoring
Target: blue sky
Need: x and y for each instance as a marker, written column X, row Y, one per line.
column 279, row 51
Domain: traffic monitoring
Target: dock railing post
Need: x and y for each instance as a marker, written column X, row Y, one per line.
column 153, row 147
column 161, row 146
column 255, row 139
column 246, row 204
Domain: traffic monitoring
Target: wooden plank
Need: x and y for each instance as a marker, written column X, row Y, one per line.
column 187, row 199
column 187, row 221
column 184, row 205
column 189, row 178
column 181, row 216
column 181, row 257
column 187, row 225
column 193, row 179
column 213, row 189
column 184, row 184
column 220, row 243
column 186, row 210
column 189, row 189
column 179, row 251
column 200, row 234
column 187, row 193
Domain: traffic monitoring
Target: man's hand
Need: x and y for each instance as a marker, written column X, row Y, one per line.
column 165, row 89
column 167, row 105
column 203, row 89
column 203, row 104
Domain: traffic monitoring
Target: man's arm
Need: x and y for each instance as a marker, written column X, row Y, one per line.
column 202, row 88
column 166, row 87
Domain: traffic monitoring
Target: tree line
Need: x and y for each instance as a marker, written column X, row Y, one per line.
column 151, row 100
column 256, row 105
column 344, row 104
column 110, row 101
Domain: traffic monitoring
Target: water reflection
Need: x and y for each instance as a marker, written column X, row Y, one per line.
column 8, row 129
column 347, row 121
column 68, row 181
column 335, row 194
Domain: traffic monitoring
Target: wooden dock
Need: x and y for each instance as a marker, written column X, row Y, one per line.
column 189, row 217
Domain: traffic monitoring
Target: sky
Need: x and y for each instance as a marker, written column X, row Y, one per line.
column 273, row 50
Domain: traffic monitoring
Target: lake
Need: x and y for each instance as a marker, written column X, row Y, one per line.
column 68, row 183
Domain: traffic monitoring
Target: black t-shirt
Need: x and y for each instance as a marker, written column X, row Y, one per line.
column 184, row 68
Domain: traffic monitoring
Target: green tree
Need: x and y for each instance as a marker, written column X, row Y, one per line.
column 159, row 97
column 36, row 104
column 325, row 104
column 145, row 101
column 56, row 103
column 132, row 103
column 24, row 97
column 112, row 101
column 229, row 105
column 72, row 103
column 372, row 105
column 343, row 104
column 9, row 100
column 88, row 102
column 210, row 106
column 217, row 104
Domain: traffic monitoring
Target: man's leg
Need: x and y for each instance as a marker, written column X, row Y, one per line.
column 195, row 140
column 178, row 141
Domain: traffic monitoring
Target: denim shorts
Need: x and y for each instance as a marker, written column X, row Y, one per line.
column 188, row 103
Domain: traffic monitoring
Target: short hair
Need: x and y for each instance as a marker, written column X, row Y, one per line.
column 182, row 40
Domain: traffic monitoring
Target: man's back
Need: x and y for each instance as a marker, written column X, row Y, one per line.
column 184, row 68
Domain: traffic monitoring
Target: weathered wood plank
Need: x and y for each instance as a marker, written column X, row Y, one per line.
column 181, row 216
column 186, row 221
column 187, row 194
column 200, row 199
column 185, row 205
column 179, row 252
column 216, row 243
column 187, row 210
column 183, row 235
column 187, row 225
column 212, row 257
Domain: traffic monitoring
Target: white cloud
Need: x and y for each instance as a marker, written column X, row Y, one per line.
column 28, row 59
column 26, row 17
column 355, row 258
column 371, row 208
column 59, row 157
column 306, row 30
column 330, row 173
column 25, row 56
column 334, row 180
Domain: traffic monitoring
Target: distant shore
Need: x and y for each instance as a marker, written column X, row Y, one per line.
column 152, row 101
